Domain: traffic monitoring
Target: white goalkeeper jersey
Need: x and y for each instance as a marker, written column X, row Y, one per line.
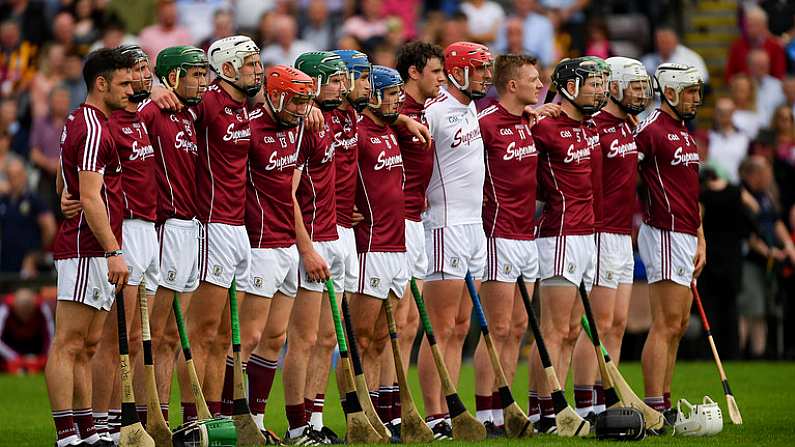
column 455, row 192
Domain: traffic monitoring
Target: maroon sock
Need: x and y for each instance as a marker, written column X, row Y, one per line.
column 656, row 402
column 260, row 372
column 547, row 407
column 64, row 424
column 228, row 393
column 395, row 401
column 375, row 398
column 114, row 420
column 482, row 403
column 384, row 408
column 309, row 405
column 583, row 396
column 85, row 423
column 164, row 410
column 600, row 394
column 141, row 410
column 296, row 415
column 496, row 401
column 667, row 400
column 215, row 407
column 532, row 403
column 434, row 417
column 189, row 412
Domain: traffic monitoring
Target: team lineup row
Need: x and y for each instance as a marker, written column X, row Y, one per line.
column 335, row 173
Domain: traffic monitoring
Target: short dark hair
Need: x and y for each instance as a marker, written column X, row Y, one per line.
column 104, row 62
column 506, row 66
column 417, row 54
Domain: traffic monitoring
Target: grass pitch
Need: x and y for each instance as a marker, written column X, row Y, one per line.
column 764, row 394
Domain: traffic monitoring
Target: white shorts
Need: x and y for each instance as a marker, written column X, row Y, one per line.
column 179, row 254
column 350, row 260
column 454, row 250
column 416, row 257
column 85, row 280
column 141, row 252
column 667, row 255
column 382, row 272
column 570, row 257
column 224, row 254
column 615, row 262
column 506, row 259
column 334, row 255
column 272, row 270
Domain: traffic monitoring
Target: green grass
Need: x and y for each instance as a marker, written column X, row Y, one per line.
column 764, row 394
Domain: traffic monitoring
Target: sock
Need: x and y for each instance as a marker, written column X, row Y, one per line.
column 141, row 410
column 656, row 402
column 259, row 419
column 101, row 424
column 583, row 398
column 599, row 398
column 496, row 409
column 260, row 372
column 434, row 419
column 228, row 393
column 114, row 423
column 215, row 407
column 309, row 404
column 164, row 410
column 667, row 400
column 85, row 425
column 396, row 403
column 547, row 407
column 533, row 410
column 296, row 417
column 375, row 398
column 65, row 427
column 384, row 408
column 189, row 412
column 316, row 419
column 344, row 405
column 483, row 408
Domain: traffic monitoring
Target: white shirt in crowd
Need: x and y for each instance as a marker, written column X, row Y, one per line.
column 726, row 151
column 275, row 54
column 681, row 55
column 484, row 18
column 769, row 95
column 748, row 122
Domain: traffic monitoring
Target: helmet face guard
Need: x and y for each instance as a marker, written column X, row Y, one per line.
column 181, row 60
column 358, row 65
column 385, row 78
column 704, row 419
column 235, row 50
column 679, row 78
column 294, row 90
column 469, row 56
column 142, row 73
column 583, row 71
column 322, row 66
column 632, row 82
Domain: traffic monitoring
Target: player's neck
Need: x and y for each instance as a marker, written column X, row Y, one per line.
column 512, row 104
column 612, row 108
column 236, row 94
column 131, row 107
column 95, row 100
column 413, row 90
column 459, row 96
column 669, row 111
column 571, row 110
column 378, row 121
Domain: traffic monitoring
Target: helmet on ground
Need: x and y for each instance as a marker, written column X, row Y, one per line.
column 704, row 419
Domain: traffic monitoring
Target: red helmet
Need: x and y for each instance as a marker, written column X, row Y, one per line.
column 466, row 54
column 286, row 83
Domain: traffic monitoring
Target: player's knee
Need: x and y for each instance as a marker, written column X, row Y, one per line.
column 460, row 329
column 518, row 328
column 500, row 331
column 619, row 325
column 249, row 339
column 273, row 342
column 301, row 343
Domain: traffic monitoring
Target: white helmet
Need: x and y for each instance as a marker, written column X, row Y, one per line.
column 705, row 419
column 624, row 70
column 676, row 77
column 233, row 50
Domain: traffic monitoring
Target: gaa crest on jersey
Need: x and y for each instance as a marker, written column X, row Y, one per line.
column 455, row 262
column 217, row 270
column 171, row 276
column 95, row 294
column 375, row 282
column 258, row 282
column 507, row 268
column 571, row 268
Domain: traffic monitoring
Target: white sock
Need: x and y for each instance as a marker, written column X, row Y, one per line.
column 483, row 416
column 71, row 440
column 498, row 417
column 115, row 437
column 599, row 408
column 260, row 420
column 535, row 417
column 91, row 439
column 296, row 432
column 582, row 412
column 433, row 423
column 395, row 421
column 316, row 420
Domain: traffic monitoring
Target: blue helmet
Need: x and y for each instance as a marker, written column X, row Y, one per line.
column 382, row 79
column 356, row 61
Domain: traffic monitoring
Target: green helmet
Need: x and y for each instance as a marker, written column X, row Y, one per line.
column 180, row 58
column 322, row 66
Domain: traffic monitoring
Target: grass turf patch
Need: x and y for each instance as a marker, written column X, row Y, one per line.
column 763, row 391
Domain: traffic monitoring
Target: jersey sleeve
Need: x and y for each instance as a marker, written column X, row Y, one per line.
column 304, row 147
column 92, row 148
column 645, row 143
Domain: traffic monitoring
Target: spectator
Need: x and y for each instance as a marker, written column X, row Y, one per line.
column 17, row 60
column 455, row 29
column 318, row 31
column 727, row 145
column 788, row 87
column 51, row 67
column 265, row 35
column 568, row 18
column 407, row 11
column 537, row 36
column 26, row 328
column 769, row 244
column 369, row 23
column 223, row 26
column 248, row 13
column 63, row 30
column 783, row 127
column 9, row 120
column 513, row 35
column 769, row 92
column 196, row 15
column 484, row 20
column 113, row 34
column 27, row 227
column 73, row 79
column 166, row 32
column 669, row 49
column 86, row 23
column 135, row 19
column 597, row 41
column 45, row 147
column 745, row 117
column 31, row 18
column 6, row 157
column 756, row 35
column 286, row 49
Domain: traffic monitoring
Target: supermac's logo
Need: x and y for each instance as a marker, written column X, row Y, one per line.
column 465, row 138
column 280, row 163
column 388, row 163
column 237, row 135
column 519, row 153
column 577, row 155
column 142, row 152
column 621, row 150
column 685, row 158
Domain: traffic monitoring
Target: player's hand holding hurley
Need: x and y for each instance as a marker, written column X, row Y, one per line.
column 316, row 267
column 117, row 270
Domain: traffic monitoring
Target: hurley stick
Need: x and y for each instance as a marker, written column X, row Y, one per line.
column 156, row 424
column 611, row 398
column 202, row 411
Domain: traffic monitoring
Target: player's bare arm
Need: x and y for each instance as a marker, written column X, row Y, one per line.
column 316, row 267
column 97, row 219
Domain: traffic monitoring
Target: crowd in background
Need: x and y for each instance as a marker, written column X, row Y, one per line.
column 749, row 175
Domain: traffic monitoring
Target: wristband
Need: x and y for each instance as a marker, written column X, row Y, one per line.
column 110, row 254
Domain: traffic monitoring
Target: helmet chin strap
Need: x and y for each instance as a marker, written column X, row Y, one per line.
column 681, row 116
column 626, row 109
column 250, row 91
column 358, row 104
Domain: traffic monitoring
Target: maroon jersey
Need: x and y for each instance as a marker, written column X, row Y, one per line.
column 137, row 156
column 223, row 134
column 87, row 145
column 669, row 168
column 564, row 175
column 509, row 192
column 417, row 161
column 619, row 173
column 173, row 137
column 316, row 191
column 270, row 217
column 343, row 128
column 379, row 196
